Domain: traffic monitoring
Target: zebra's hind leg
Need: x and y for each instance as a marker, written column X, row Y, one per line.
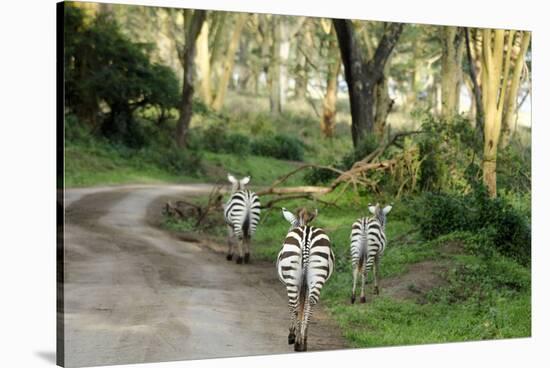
column 364, row 277
column 302, row 345
column 230, row 243
column 376, row 272
column 240, row 257
column 292, row 308
column 356, row 269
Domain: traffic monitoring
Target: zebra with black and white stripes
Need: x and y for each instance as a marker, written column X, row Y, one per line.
column 304, row 264
column 368, row 241
column 242, row 214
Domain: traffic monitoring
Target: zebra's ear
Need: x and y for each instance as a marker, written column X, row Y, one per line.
column 372, row 209
column 387, row 210
column 231, row 178
column 245, row 181
column 314, row 215
column 289, row 216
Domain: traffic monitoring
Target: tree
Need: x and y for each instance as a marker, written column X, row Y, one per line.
column 363, row 75
column 229, row 61
column 452, row 42
column 104, row 68
column 193, row 20
column 329, row 101
column 498, row 89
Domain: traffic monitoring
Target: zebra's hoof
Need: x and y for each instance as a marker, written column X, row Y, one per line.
column 239, row 260
column 247, row 258
column 363, row 299
column 352, row 299
column 229, row 257
column 291, row 338
column 300, row 347
column 376, row 290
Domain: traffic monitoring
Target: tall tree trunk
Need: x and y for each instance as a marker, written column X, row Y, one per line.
column 274, row 68
column 193, row 24
column 451, row 69
column 496, row 62
column 361, row 75
column 473, row 52
column 328, row 119
column 304, row 44
column 229, row 61
column 203, row 64
column 511, row 103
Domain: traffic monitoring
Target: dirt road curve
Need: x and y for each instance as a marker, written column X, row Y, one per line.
column 135, row 294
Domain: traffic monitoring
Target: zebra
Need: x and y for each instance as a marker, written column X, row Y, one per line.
column 304, row 264
column 368, row 241
column 242, row 214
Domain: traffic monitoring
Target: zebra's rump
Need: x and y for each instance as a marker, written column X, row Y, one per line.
column 367, row 240
column 306, row 257
column 242, row 213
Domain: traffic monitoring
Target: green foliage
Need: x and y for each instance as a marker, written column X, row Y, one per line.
column 108, row 77
column 281, row 146
column 216, row 139
column 503, row 227
column 448, row 151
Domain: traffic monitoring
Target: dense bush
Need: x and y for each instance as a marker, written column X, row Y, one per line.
column 504, row 227
column 108, row 77
column 279, row 146
column 216, row 139
column 448, row 150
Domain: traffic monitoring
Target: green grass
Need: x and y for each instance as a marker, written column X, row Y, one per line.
column 89, row 166
column 101, row 164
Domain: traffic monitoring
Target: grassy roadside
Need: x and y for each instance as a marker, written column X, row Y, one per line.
column 476, row 298
column 101, row 164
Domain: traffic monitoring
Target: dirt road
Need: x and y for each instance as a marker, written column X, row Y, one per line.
column 135, row 294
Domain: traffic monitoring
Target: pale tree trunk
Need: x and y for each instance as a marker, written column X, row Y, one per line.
column 229, row 61
column 203, row 64
column 496, row 61
column 411, row 97
column 473, row 52
column 451, row 69
column 274, row 68
column 193, row 24
column 328, row 118
column 511, row 104
column 282, row 33
column 305, row 44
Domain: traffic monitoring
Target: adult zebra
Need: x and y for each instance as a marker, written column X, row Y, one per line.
column 368, row 241
column 242, row 214
column 304, row 265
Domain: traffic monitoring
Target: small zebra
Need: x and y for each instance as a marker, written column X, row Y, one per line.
column 242, row 214
column 304, row 265
column 368, row 240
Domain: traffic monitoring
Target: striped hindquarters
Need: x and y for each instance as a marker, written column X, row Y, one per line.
column 305, row 262
column 242, row 213
column 367, row 241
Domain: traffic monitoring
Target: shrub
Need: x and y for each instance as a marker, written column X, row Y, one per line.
column 237, row 143
column 180, row 162
column 279, row 146
column 504, row 227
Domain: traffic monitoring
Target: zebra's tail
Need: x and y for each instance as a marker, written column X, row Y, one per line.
column 246, row 227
